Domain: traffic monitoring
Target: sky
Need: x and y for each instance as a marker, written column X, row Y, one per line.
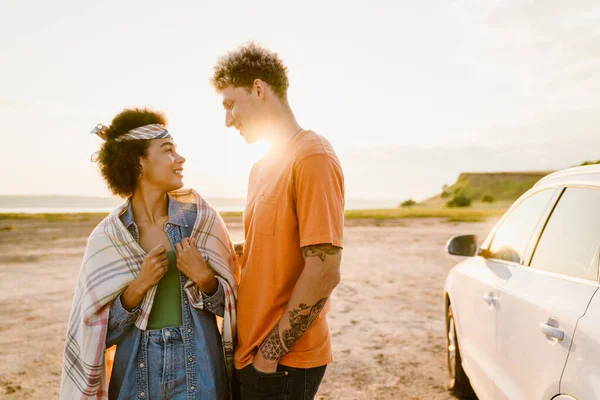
column 409, row 93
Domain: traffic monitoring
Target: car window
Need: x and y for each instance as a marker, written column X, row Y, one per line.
column 511, row 238
column 570, row 241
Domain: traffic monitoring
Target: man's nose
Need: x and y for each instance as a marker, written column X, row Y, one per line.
column 228, row 119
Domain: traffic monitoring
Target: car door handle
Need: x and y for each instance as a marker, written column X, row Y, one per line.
column 490, row 299
column 552, row 331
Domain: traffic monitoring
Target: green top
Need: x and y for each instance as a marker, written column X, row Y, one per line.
column 166, row 310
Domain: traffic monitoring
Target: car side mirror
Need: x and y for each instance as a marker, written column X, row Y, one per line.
column 464, row 245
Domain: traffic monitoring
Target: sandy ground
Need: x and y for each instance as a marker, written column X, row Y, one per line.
column 386, row 317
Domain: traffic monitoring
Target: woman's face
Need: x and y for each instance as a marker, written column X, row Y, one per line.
column 162, row 167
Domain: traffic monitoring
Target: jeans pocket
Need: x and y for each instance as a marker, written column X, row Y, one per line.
column 256, row 385
column 275, row 374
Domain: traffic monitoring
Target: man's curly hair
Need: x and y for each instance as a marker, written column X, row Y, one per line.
column 248, row 62
column 119, row 161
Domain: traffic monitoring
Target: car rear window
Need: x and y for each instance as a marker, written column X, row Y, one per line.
column 570, row 242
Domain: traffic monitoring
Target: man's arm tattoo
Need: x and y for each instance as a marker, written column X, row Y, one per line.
column 271, row 348
column 320, row 250
column 300, row 320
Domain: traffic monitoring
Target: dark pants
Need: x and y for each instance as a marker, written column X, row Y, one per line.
column 286, row 384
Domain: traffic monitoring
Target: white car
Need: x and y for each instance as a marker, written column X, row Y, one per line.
column 523, row 311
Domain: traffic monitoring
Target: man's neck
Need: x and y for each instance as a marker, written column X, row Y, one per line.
column 283, row 127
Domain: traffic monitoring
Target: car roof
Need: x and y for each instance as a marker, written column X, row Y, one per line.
column 588, row 175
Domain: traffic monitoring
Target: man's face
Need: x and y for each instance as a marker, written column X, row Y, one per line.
column 242, row 112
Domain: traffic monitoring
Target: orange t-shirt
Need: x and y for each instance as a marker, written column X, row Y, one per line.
column 295, row 199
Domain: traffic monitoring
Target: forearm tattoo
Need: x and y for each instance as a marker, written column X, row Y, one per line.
column 320, row 250
column 271, row 348
column 300, row 320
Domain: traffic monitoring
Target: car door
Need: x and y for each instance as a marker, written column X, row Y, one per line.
column 540, row 302
column 475, row 321
column 581, row 377
column 477, row 289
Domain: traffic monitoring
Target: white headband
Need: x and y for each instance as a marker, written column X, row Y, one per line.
column 146, row 132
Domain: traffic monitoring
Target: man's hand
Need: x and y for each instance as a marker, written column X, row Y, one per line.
column 192, row 264
column 270, row 351
column 263, row 365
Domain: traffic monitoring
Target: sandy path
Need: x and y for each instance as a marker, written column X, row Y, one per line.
column 386, row 319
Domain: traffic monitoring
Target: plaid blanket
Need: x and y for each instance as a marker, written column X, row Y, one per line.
column 112, row 260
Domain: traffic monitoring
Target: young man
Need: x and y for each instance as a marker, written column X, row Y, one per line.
column 293, row 222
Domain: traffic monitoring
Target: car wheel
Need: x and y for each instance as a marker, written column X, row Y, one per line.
column 458, row 382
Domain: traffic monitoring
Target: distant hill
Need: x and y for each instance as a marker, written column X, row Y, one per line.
column 591, row 162
column 501, row 186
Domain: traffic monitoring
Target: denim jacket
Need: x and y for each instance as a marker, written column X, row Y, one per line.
column 205, row 365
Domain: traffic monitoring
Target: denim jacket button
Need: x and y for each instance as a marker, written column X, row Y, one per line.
column 142, row 394
column 142, row 365
column 193, row 388
column 190, row 359
column 189, row 330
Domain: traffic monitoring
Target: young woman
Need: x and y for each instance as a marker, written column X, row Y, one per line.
column 156, row 273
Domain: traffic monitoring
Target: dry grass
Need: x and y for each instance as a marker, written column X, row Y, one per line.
column 456, row 214
column 468, row 214
column 51, row 217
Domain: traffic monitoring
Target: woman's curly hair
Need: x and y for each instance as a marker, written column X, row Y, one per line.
column 248, row 62
column 119, row 161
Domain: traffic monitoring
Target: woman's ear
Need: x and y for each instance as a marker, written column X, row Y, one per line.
column 141, row 165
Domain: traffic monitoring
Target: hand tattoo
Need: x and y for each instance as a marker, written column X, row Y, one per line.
column 300, row 320
column 271, row 348
column 320, row 250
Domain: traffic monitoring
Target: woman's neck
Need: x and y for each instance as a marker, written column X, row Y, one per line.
column 149, row 206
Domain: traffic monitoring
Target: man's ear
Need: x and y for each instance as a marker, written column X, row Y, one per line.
column 259, row 88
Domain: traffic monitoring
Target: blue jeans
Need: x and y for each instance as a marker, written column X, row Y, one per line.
column 166, row 364
column 287, row 383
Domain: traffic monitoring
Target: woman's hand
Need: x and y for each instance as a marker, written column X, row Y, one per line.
column 192, row 264
column 239, row 249
column 154, row 267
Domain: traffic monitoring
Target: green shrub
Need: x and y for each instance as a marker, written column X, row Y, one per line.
column 487, row 198
column 408, row 203
column 459, row 200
